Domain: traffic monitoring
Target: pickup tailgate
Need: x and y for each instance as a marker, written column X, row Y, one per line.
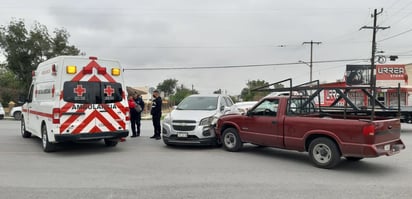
column 387, row 130
column 386, row 139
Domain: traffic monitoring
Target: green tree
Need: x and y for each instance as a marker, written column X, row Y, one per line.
column 248, row 95
column 181, row 93
column 9, row 86
column 168, row 86
column 218, row 91
column 25, row 48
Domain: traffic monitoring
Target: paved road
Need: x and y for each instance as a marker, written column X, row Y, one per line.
column 146, row 168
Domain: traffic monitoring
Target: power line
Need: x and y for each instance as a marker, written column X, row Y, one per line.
column 397, row 35
column 240, row 66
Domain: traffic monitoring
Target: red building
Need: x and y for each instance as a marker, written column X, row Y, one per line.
column 387, row 79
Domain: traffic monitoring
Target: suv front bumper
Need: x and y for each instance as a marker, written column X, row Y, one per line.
column 201, row 135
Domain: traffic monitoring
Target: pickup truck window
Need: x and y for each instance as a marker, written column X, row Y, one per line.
column 268, row 107
column 296, row 107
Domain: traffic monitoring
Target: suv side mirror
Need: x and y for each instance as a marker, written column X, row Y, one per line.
column 222, row 108
column 226, row 109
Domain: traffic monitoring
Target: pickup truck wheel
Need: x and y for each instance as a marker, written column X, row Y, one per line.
column 47, row 145
column 324, row 153
column 231, row 140
column 353, row 159
column 24, row 133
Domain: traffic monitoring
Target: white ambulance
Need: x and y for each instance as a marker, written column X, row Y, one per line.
column 74, row 98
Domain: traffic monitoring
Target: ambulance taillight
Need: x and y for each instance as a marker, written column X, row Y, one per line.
column 54, row 70
column 56, row 115
column 101, row 71
column 87, row 70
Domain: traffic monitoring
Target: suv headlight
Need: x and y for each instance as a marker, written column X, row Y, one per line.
column 206, row 121
column 167, row 119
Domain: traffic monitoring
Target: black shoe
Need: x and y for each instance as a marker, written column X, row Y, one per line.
column 158, row 138
column 153, row 137
column 133, row 136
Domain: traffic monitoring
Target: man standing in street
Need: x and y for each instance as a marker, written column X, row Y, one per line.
column 156, row 113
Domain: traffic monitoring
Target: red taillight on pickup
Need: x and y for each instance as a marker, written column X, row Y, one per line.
column 127, row 114
column 56, row 116
column 368, row 130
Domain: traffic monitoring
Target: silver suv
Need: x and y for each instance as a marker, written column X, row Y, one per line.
column 192, row 121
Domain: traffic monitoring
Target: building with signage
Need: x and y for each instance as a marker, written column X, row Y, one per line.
column 388, row 77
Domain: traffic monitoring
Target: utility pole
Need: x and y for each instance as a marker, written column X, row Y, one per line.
column 311, row 54
column 375, row 29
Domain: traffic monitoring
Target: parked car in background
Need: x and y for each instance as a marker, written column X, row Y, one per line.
column 192, row 121
column 16, row 112
column 241, row 107
column 1, row 112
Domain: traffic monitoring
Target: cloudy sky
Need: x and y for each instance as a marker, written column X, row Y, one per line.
column 151, row 34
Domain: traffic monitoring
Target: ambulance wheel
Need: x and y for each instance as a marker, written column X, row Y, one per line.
column 23, row 131
column 47, row 145
column 110, row 143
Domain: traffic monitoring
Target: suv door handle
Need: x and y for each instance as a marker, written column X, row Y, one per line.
column 274, row 122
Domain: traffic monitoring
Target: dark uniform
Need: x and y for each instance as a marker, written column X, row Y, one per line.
column 156, row 113
column 140, row 102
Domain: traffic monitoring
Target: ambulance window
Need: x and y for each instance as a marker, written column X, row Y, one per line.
column 112, row 92
column 92, row 92
column 30, row 95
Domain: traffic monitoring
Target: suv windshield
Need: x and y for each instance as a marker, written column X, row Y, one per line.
column 198, row 103
column 83, row 92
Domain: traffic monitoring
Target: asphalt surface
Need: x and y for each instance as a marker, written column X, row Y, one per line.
column 146, row 168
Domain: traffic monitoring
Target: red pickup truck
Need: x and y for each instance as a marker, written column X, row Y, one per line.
column 289, row 123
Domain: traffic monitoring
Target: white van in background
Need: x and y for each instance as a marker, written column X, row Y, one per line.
column 75, row 98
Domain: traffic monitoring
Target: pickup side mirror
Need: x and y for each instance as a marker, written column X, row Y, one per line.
column 249, row 113
column 222, row 108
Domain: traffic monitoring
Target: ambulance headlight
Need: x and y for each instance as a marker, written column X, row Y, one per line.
column 71, row 69
column 115, row 71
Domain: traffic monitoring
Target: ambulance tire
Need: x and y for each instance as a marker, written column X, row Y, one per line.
column 110, row 143
column 24, row 132
column 47, row 146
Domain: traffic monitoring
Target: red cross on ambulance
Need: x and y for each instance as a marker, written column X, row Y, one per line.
column 108, row 91
column 79, row 90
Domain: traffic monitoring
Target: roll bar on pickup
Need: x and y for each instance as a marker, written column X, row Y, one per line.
column 312, row 90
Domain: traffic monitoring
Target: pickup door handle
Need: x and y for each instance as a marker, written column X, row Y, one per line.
column 274, row 122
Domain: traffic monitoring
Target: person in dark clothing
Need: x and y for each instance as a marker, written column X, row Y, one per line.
column 139, row 101
column 156, row 113
column 133, row 115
